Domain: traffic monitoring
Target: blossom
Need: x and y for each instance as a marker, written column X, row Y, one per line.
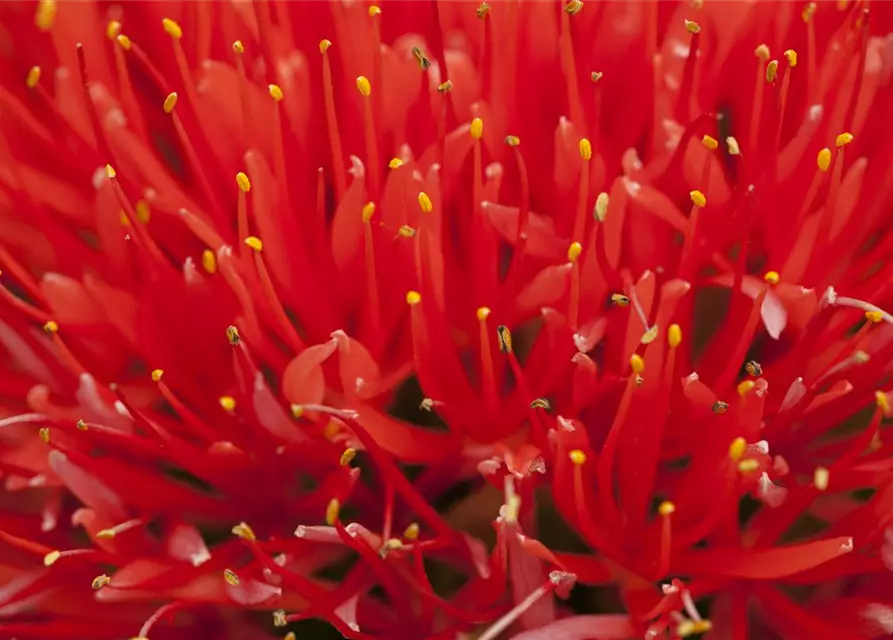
column 291, row 291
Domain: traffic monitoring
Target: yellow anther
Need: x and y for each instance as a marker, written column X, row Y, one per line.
column 243, row 182
column 445, row 87
column 585, row 149
column 702, row 626
column 46, row 14
column 110, row 171
column 823, row 160
column 411, row 532
column 666, row 508
column 573, row 7
column 363, row 86
column 421, row 58
column 504, row 338
column 395, row 163
column 290, row 636
column 753, row 368
column 244, row 531
column 113, row 29
column 791, row 56
column 745, row 386
column 736, row 449
column 33, row 77
column 413, row 298
column 719, row 407
column 674, row 336
column 874, row 316
column 808, row 11
column 595, row 76
column 157, row 375
column 405, row 231
column 124, row 42
column 883, row 402
column 637, row 364
column 427, row 404
column 44, row 433
column 143, row 212
column 482, row 313
column 279, row 618
column 762, row 52
column 374, row 10
column 232, row 335
column 771, row 70
column 228, row 403
column 541, row 403
column 710, row 142
column 100, row 581
column 820, row 478
column 600, row 211
column 619, row 300
column 324, row 45
column 238, row 47
column 368, row 211
column 772, row 277
column 843, row 139
column 333, row 510
column 275, row 92
column 477, row 128
column 172, row 28
column 50, row 559
column 512, row 141
column 170, row 102
column 482, row 10
column 51, row 326
column 692, row 26
column 698, row 198
column 732, row 145
column 297, row 411
column 651, row 335
column 231, row 578
column 748, row 466
column 425, row 202
column 347, row 456
column 209, row 261
column 81, row 425
column 253, row 242
column 577, row 456
column 574, row 251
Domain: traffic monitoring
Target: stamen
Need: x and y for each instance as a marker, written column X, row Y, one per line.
column 242, row 210
column 687, row 259
column 372, row 289
column 489, row 377
column 762, row 54
column 573, row 254
column 65, row 354
column 278, row 146
column 568, row 64
column 583, row 195
column 365, row 89
column 192, row 157
column 266, row 282
column 332, row 122
column 683, row 104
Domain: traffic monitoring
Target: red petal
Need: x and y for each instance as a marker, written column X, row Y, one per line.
column 303, row 381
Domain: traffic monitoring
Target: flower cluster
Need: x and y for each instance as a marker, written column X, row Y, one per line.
column 445, row 320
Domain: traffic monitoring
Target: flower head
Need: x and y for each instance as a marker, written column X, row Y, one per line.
column 291, row 290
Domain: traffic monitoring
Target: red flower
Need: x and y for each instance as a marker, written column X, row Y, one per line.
column 289, row 288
